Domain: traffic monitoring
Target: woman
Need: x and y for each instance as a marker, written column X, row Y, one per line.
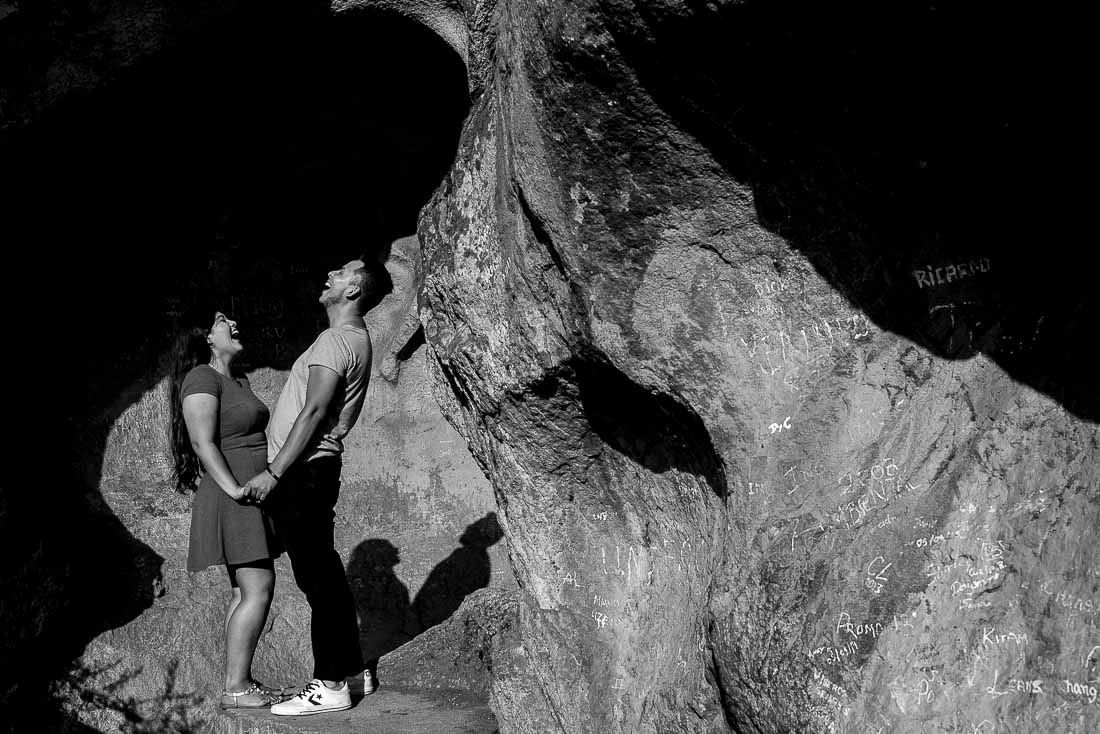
column 218, row 424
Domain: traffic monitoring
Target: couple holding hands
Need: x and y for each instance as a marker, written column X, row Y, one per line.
column 269, row 483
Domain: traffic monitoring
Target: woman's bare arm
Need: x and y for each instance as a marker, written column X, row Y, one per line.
column 200, row 413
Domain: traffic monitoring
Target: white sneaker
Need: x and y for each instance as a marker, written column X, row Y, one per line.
column 362, row 684
column 314, row 698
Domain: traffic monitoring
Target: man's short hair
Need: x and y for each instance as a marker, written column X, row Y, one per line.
column 374, row 283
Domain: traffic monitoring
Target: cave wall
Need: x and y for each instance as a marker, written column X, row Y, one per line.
column 415, row 522
column 230, row 164
column 784, row 435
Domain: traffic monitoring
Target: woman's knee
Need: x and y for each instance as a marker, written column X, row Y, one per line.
column 256, row 582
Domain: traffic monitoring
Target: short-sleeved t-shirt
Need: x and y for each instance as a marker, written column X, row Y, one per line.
column 346, row 351
column 241, row 416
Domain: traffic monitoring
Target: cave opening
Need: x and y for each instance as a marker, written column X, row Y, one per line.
column 237, row 166
column 231, row 169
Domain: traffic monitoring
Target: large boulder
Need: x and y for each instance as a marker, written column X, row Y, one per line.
column 777, row 432
column 781, row 437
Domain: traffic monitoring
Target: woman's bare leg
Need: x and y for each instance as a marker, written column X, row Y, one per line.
column 246, row 621
column 233, row 602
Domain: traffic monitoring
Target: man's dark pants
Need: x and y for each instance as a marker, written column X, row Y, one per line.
column 304, row 511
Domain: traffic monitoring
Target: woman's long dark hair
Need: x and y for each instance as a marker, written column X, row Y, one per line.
column 189, row 351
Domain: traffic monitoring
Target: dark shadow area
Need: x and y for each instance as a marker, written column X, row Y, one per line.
column 166, row 712
column 386, row 620
column 892, row 144
column 652, row 429
column 460, row 574
column 231, row 170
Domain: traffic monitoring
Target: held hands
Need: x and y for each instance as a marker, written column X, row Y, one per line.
column 258, row 487
column 237, row 493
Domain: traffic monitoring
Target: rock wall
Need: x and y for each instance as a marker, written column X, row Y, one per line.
column 782, row 438
column 784, row 434
column 206, row 172
column 415, row 525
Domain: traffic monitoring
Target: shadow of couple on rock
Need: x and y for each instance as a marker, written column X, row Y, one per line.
column 387, row 617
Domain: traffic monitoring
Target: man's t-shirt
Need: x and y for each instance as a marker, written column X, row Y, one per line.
column 345, row 350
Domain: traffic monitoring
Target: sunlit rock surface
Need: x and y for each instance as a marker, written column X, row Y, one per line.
column 415, row 526
column 784, row 434
column 778, row 436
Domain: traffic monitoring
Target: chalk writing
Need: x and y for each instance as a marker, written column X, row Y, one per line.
column 804, row 347
column 901, row 623
column 768, row 287
column 753, row 487
column 632, row 563
column 833, row 654
column 927, row 542
column 930, row 277
column 888, row 520
column 970, row 604
column 958, row 587
column 844, row 624
column 599, row 601
column 924, row 691
column 1031, row 505
column 828, row 684
column 1067, row 600
column 830, row 692
column 1041, row 687
column 1093, row 657
column 990, row 636
column 876, row 579
column 1017, row 685
column 780, row 427
column 880, row 478
column 977, row 574
column 1079, row 689
column 600, row 618
column 567, row 579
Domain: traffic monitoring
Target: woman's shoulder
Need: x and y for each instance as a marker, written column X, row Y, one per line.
column 202, row 369
column 202, row 378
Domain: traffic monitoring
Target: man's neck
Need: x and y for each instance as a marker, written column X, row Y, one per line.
column 344, row 314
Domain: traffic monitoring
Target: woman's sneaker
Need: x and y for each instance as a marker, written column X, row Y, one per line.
column 314, row 698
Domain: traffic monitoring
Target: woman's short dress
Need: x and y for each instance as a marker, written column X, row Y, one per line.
column 224, row 531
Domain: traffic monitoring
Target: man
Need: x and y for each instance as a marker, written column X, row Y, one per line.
column 319, row 404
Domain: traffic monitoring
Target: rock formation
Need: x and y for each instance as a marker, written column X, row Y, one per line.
column 784, row 435
column 776, row 428
column 181, row 180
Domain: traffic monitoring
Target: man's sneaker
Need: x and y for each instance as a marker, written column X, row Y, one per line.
column 314, row 698
column 362, row 684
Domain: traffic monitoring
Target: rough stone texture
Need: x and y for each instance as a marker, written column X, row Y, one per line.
column 201, row 169
column 777, row 442
column 408, row 492
column 781, row 436
column 439, row 682
column 53, row 49
column 387, row 712
column 415, row 525
column 462, row 652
